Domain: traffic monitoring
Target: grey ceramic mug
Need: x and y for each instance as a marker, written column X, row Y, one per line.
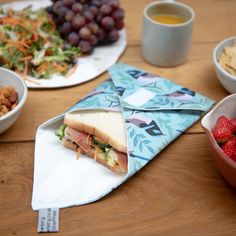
column 166, row 44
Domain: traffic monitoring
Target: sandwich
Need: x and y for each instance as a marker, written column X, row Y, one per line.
column 98, row 134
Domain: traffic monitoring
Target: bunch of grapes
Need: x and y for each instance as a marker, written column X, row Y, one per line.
column 86, row 23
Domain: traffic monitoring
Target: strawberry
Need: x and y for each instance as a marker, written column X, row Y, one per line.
column 222, row 131
column 229, row 148
column 233, row 123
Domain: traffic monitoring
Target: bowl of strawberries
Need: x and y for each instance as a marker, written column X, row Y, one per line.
column 220, row 127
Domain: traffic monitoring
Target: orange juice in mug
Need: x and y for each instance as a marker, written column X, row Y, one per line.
column 168, row 19
column 167, row 31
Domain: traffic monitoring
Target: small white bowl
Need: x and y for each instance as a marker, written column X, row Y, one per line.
column 226, row 79
column 9, row 78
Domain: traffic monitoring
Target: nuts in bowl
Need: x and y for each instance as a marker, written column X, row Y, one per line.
column 219, row 126
column 224, row 59
column 8, row 99
column 13, row 94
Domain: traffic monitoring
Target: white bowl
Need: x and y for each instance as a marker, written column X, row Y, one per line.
column 226, row 79
column 9, row 78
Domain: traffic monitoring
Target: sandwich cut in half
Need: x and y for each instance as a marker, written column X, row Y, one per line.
column 99, row 134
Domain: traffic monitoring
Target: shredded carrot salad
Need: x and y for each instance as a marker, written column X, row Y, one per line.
column 31, row 45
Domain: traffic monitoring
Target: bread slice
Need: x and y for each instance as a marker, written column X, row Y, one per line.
column 108, row 126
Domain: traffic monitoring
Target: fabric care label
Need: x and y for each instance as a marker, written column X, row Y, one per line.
column 48, row 220
column 139, row 97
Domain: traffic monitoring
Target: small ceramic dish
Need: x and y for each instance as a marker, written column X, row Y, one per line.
column 226, row 79
column 226, row 166
column 9, row 78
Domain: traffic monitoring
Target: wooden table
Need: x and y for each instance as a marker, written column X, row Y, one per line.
column 178, row 193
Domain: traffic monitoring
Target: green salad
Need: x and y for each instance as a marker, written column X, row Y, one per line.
column 31, row 46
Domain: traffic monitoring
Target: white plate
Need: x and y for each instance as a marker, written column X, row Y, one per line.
column 88, row 68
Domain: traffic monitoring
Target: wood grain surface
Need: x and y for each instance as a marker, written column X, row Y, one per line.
column 180, row 192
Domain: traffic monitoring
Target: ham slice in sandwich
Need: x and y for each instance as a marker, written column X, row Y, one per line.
column 99, row 134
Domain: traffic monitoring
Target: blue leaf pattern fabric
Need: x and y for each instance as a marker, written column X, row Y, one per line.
column 154, row 124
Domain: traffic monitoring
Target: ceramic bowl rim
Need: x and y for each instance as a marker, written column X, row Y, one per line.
column 215, row 51
column 218, row 150
column 183, row 5
column 23, row 99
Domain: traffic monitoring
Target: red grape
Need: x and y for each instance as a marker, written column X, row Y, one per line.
column 56, row 6
column 93, row 40
column 77, row 7
column 78, row 22
column 93, row 27
column 105, row 10
column 73, row 39
column 68, row 3
column 85, row 33
column 114, row 4
column 62, row 11
column 85, row 46
column 107, row 23
column 113, row 35
column 119, row 25
column 66, row 28
column 69, row 15
column 88, row 15
column 118, row 14
column 93, row 9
